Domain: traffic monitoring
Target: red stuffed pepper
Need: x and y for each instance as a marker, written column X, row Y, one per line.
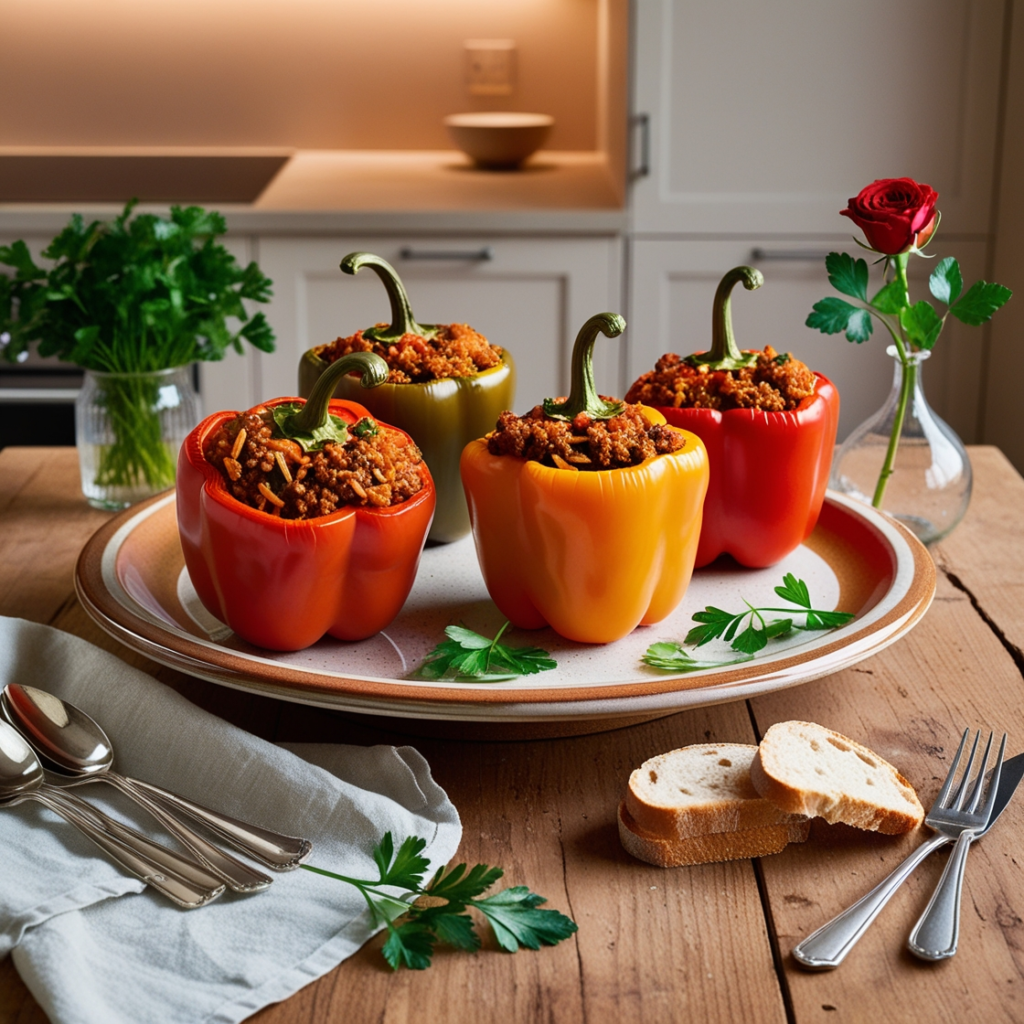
column 301, row 521
column 769, row 425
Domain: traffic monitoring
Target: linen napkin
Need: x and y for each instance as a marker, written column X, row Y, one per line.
column 97, row 946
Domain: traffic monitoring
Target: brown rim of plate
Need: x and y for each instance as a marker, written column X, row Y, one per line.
column 243, row 671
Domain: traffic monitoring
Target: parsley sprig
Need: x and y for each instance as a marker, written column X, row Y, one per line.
column 420, row 916
column 466, row 656
column 715, row 623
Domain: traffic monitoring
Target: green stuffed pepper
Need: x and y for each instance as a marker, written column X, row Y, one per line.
column 447, row 385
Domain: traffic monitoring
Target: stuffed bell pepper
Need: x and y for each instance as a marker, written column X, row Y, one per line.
column 303, row 519
column 586, row 512
column 446, row 385
column 769, row 425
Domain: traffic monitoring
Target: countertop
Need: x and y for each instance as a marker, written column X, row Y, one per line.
column 703, row 944
column 320, row 191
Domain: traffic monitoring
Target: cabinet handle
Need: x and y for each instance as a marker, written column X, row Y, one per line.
column 641, row 125
column 481, row 255
column 798, row 255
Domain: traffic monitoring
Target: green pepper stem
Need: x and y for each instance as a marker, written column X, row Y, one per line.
column 583, row 396
column 315, row 414
column 402, row 320
column 725, row 354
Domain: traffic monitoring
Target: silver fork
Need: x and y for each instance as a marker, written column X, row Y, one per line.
column 936, row 934
column 827, row 947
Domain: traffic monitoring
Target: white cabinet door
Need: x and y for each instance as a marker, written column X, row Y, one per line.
column 531, row 296
column 767, row 117
column 674, row 282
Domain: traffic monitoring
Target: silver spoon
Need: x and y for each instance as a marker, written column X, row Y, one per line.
column 21, row 778
column 72, row 744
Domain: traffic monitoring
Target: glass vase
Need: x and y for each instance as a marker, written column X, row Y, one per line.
column 128, row 429
column 930, row 484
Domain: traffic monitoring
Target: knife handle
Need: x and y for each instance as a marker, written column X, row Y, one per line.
column 826, row 948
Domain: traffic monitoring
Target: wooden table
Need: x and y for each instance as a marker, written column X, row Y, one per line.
column 709, row 943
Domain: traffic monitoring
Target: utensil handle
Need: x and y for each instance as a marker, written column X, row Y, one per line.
column 826, row 948
column 272, row 848
column 936, row 934
column 238, row 876
column 186, row 894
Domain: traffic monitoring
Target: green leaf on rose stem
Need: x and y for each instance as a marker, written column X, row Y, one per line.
column 832, row 315
column 860, row 327
column 516, row 921
column 980, row 302
column 889, row 298
column 847, row 275
column 921, row 323
column 946, row 283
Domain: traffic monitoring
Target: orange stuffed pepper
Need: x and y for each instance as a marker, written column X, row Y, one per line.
column 586, row 512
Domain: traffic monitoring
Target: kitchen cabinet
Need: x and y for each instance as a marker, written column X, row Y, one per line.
column 765, row 117
column 673, row 284
column 528, row 294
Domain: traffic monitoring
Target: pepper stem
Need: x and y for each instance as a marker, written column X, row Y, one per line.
column 312, row 424
column 402, row 320
column 583, row 396
column 725, row 353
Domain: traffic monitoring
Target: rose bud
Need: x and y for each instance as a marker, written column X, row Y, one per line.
column 895, row 214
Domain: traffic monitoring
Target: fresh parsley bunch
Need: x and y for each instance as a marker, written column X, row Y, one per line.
column 422, row 916
column 715, row 623
column 135, row 295
column 126, row 299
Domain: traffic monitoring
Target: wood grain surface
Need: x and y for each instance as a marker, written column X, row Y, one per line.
column 704, row 944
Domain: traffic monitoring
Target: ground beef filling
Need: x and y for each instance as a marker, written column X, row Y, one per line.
column 583, row 443
column 456, row 351
column 775, row 383
column 275, row 475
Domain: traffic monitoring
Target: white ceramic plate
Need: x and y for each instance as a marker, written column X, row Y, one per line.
column 131, row 578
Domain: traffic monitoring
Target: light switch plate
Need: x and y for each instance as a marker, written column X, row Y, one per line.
column 490, row 66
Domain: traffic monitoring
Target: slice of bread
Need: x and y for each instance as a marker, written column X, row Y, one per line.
column 705, row 849
column 699, row 790
column 804, row 768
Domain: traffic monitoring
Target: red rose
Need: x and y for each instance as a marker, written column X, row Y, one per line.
column 895, row 214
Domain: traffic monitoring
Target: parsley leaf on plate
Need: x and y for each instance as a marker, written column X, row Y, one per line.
column 747, row 632
column 468, row 656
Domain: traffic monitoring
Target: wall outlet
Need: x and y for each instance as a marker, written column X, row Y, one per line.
column 490, row 66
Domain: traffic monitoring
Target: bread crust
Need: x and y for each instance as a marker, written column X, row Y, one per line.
column 723, row 799
column 892, row 807
column 666, row 852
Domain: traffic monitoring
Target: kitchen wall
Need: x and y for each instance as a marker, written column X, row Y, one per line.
column 307, row 74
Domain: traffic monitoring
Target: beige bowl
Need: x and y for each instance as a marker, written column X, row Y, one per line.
column 499, row 140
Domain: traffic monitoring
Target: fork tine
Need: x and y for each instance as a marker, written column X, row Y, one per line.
column 961, row 790
column 979, row 783
column 940, row 800
column 993, row 785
